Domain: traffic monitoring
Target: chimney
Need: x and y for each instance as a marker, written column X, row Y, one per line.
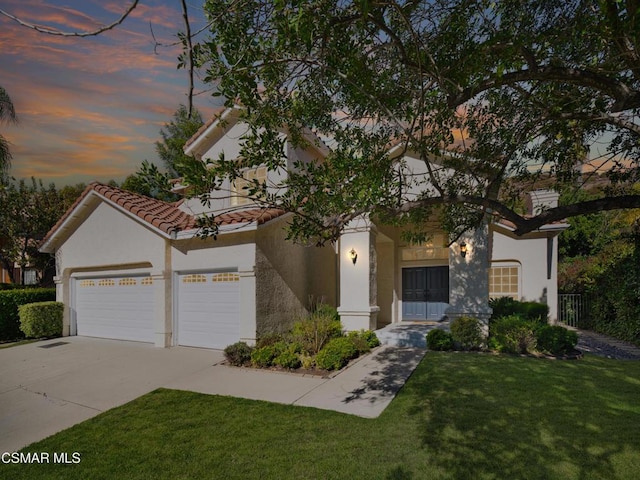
column 539, row 200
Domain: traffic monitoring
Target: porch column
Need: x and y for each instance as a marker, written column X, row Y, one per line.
column 469, row 277
column 358, row 276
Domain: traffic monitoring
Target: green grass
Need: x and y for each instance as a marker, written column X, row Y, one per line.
column 460, row 416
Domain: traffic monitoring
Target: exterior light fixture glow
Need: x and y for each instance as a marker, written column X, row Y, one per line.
column 353, row 255
column 463, row 249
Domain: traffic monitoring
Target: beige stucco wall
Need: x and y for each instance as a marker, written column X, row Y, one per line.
column 386, row 281
column 531, row 253
column 124, row 241
column 289, row 277
column 111, row 242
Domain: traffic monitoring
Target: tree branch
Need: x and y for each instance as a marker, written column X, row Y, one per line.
column 523, row 224
column 52, row 31
column 625, row 97
column 188, row 40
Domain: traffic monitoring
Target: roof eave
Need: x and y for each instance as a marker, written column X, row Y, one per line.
column 195, row 147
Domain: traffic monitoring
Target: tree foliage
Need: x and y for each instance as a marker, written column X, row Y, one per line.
column 7, row 114
column 28, row 210
column 152, row 182
column 174, row 136
column 478, row 90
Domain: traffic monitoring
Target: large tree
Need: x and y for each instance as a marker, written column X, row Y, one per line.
column 175, row 134
column 28, row 210
column 481, row 91
column 7, row 114
column 149, row 180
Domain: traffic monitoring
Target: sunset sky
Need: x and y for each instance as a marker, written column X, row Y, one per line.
column 91, row 108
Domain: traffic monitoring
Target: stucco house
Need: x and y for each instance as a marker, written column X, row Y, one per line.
column 133, row 268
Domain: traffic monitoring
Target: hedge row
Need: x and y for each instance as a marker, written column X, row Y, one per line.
column 10, row 300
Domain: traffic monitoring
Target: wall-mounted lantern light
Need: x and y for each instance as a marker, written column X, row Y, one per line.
column 463, row 249
column 353, row 255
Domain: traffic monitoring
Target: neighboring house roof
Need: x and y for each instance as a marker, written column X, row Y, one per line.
column 167, row 218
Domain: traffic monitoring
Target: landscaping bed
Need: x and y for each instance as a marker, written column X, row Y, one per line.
column 519, row 328
column 315, row 345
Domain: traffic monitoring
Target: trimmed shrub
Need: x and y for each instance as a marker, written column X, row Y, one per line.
column 535, row 311
column 288, row 358
column 467, row 333
column 42, row 319
column 327, row 310
column 10, row 300
column 267, row 339
column 308, row 362
column 439, row 340
column 238, row 354
column 263, row 357
column 556, row 340
column 502, row 307
column 512, row 334
column 371, row 338
column 313, row 332
column 364, row 340
column 336, row 354
column 506, row 306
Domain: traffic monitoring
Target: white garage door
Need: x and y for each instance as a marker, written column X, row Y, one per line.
column 115, row 307
column 209, row 309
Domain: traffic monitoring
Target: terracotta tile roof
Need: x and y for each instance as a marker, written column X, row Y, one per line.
column 258, row 215
column 166, row 217
column 162, row 215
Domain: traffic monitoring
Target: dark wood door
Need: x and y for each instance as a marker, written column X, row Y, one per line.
column 425, row 292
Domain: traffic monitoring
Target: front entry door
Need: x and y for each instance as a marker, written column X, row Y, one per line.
column 425, row 293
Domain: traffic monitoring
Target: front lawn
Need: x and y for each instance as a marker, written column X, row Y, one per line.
column 461, row 415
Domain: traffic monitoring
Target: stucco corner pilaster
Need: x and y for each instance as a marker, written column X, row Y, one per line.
column 248, row 320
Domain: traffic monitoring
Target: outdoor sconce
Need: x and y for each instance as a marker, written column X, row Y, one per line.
column 463, row 249
column 353, row 255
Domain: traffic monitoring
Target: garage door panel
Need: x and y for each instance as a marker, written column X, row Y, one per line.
column 119, row 307
column 209, row 310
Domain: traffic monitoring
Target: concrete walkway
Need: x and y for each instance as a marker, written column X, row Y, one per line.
column 48, row 386
column 364, row 388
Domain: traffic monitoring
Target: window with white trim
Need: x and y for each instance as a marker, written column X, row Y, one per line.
column 504, row 281
column 240, row 186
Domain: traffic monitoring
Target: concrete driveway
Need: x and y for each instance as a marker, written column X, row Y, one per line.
column 48, row 386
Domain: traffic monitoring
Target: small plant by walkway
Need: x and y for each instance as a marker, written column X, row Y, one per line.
column 460, row 416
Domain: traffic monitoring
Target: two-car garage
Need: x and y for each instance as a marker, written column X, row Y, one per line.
column 206, row 313
column 115, row 307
